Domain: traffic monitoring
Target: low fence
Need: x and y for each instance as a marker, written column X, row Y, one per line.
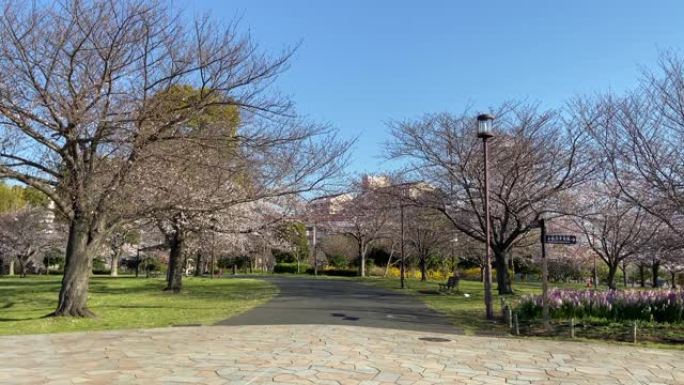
column 590, row 328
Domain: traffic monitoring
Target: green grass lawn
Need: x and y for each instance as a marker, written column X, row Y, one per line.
column 127, row 302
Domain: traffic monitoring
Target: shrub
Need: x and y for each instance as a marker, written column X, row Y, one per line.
column 150, row 265
column 652, row 305
column 338, row 261
column 438, row 275
column 393, row 272
column 334, row 272
column 228, row 262
column 376, row 271
column 99, row 266
column 471, row 274
column 54, row 257
column 282, row 256
column 289, row 268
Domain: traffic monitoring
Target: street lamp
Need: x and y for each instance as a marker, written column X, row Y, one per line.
column 484, row 131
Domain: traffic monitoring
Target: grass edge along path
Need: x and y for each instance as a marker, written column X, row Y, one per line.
column 466, row 307
column 127, row 303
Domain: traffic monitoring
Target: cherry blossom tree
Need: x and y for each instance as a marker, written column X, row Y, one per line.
column 536, row 158
column 82, row 120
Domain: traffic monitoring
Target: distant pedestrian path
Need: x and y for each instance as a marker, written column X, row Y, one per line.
column 342, row 302
column 320, row 354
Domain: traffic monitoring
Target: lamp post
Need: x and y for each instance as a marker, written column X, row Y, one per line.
column 484, row 132
column 402, row 266
column 453, row 255
column 315, row 258
column 214, row 225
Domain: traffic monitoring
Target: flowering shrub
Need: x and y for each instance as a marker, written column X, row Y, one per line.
column 437, row 275
column 652, row 305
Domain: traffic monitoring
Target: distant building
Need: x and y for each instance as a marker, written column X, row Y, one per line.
column 370, row 182
column 329, row 204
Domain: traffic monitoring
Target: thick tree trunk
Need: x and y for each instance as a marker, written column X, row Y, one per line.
column 22, row 266
column 362, row 260
column 612, row 270
column 73, row 296
column 389, row 263
column 423, row 268
column 503, row 279
column 114, row 271
column 655, row 269
column 642, row 274
column 198, row 264
column 175, row 276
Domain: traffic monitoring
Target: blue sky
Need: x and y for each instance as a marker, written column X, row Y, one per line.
column 362, row 63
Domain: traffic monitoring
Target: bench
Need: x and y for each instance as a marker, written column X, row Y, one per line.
column 450, row 285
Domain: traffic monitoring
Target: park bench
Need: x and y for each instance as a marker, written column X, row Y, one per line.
column 450, row 285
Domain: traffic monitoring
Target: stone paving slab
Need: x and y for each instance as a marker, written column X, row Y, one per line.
column 322, row 354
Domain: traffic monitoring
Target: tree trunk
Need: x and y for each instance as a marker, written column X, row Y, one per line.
column 198, row 264
column 362, row 260
column 423, row 268
column 674, row 279
column 175, row 276
column 73, row 296
column 612, row 270
column 655, row 269
column 11, row 268
column 114, row 271
column 389, row 263
column 642, row 274
column 503, row 279
column 22, row 266
column 624, row 274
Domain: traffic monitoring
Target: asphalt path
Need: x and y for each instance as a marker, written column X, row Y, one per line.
column 342, row 302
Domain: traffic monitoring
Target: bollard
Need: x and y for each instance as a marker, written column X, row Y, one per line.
column 572, row 327
column 634, row 332
column 515, row 323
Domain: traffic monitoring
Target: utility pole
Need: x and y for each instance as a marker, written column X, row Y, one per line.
column 545, row 276
column 213, row 253
column 137, row 262
column 315, row 258
column 402, row 268
column 484, row 127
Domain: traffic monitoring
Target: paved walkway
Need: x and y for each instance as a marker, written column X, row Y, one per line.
column 342, row 302
column 325, row 355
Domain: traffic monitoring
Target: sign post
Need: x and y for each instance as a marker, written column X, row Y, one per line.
column 545, row 276
column 557, row 239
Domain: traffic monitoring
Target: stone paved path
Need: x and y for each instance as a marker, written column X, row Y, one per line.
column 326, row 355
column 342, row 302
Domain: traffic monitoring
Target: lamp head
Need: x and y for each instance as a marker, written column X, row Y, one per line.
column 484, row 126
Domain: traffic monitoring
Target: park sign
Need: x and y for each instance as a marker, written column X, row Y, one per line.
column 560, row 239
